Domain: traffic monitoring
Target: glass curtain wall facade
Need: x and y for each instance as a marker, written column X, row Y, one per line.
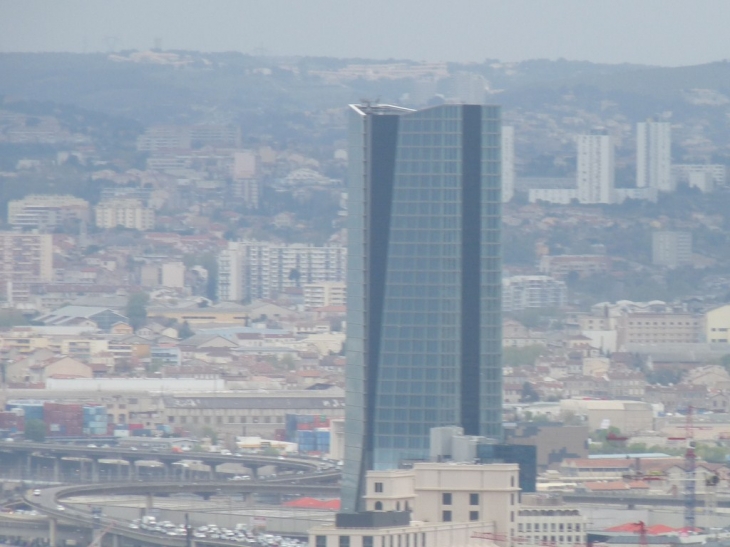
column 424, row 283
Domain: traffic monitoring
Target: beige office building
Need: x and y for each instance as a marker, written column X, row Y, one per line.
column 458, row 505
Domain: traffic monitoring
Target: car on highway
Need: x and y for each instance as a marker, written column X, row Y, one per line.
column 36, row 492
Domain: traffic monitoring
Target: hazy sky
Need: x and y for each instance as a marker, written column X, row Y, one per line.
column 665, row 32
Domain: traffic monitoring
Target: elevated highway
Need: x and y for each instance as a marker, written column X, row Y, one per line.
column 50, row 502
column 24, row 458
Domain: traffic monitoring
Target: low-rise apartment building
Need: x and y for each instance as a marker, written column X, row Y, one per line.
column 128, row 213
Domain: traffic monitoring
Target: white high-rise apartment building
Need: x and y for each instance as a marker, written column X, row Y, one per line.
column 595, row 168
column 258, row 269
column 654, row 155
column 129, row 213
column 508, row 163
column 24, row 258
column 522, row 292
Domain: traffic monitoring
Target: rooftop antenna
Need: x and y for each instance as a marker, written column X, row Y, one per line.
column 368, row 104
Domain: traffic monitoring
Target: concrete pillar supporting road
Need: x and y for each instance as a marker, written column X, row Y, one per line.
column 115, row 540
column 56, row 469
column 213, row 475
column 28, row 470
column 149, row 503
column 132, row 470
column 53, row 532
column 168, row 471
column 94, row 470
column 247, row 499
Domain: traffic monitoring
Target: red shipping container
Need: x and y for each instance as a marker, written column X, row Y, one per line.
column 132, row 427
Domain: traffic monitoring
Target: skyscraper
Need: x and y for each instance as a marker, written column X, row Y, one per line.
column 508, row 163
column 595, row 168
column 654, row 155
column 424, row 282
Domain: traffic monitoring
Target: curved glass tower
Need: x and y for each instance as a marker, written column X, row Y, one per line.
column 424, row 283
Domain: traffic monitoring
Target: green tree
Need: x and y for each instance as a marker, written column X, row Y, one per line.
column 137, row 309
column 522, row 357
column 208, row 431
column 35, row 430
column 529, row 395
column 185, row 331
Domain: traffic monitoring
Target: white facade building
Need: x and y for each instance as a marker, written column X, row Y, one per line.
column 545, row 520
column 257, row 269
column 522, row 292
column 595, row 168
column 654, row 155
column 172, row 275
column 706, row 177
column 458, row 505
column 46, row 211
column 671, row 249
column 326, row 293
column 129, row 213
column 508, row 163
column 24, row 258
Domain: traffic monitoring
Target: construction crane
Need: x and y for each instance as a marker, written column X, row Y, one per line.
column 690, row 468
column 97, row 539
column 641, row 529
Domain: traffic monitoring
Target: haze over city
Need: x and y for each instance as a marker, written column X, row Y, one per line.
column 395, row 274
column 655, row 32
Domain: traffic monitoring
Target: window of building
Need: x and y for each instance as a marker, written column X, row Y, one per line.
column 519, row 527
column 512, row 516
column 552, row 526
column 473, row 515
column 512, row 480
column 512, row 499
column 529, row 527
column 446, row 516
column 379, row 487
column 577, row 527
column 320, row 541
column 367, row 541
column 344, row 541
column 378, row 505
column 446, row 498
column 473, row 499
